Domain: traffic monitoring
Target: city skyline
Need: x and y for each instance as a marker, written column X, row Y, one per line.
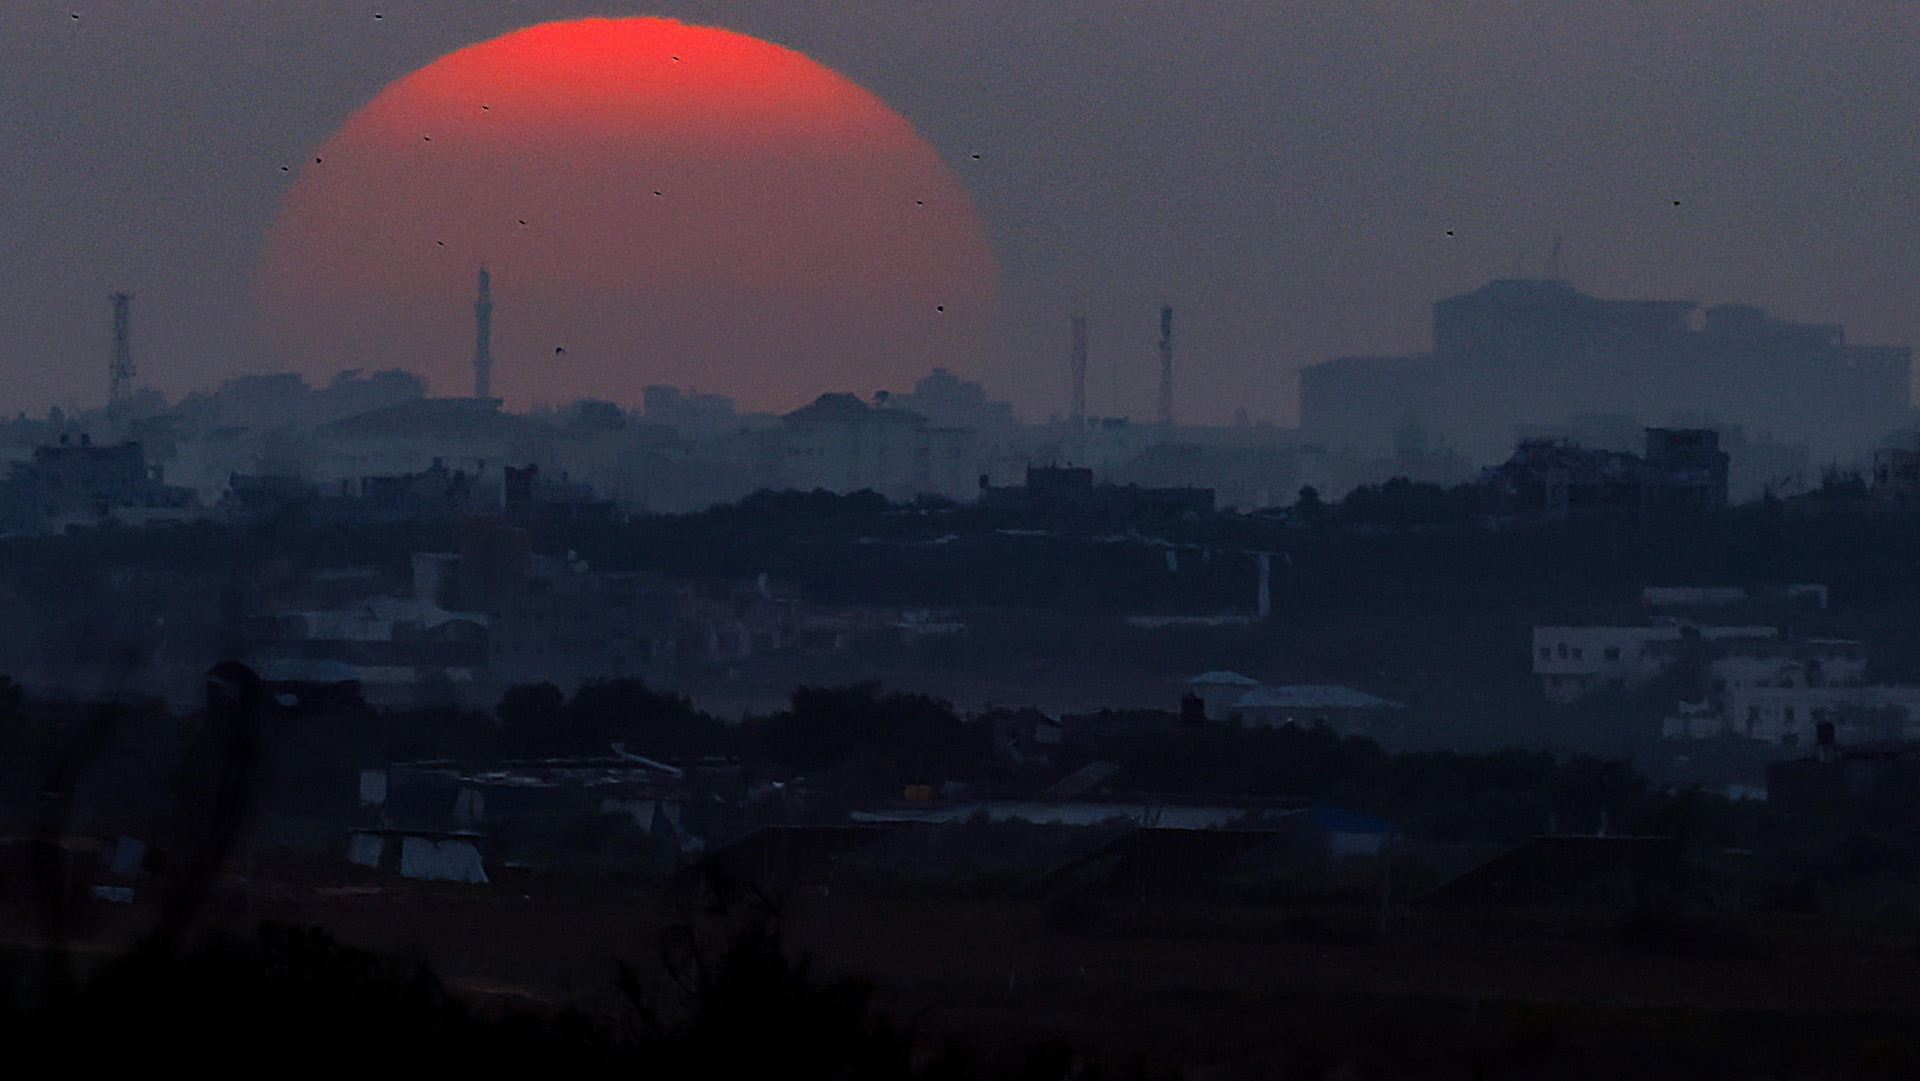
column 1233, row 162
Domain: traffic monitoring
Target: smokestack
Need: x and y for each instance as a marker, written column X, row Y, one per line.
column 1079, row 407
column 483, row 338
column 1166, row 367
column 120, row 370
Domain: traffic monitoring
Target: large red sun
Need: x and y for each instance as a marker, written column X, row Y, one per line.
column 656, row 203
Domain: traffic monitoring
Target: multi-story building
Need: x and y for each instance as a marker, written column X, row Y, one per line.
column 1573, row 662
column 842, row 444
column 79, row 481
column 1683, row 472
column 1791, row 716
column 1539, row 352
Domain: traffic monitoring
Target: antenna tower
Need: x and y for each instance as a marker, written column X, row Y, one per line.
column 1555, row 271
column 1166, row 367
column 1078, row 410
column 483, row 338
column 120, row 370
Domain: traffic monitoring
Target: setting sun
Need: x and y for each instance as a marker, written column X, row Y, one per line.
column 657, row 202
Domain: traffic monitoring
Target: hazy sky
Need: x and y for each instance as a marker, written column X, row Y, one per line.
column 1286, row 175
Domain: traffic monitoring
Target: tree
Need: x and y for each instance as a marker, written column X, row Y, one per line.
column 529, row 718
column 650, row 721
column 918, row 735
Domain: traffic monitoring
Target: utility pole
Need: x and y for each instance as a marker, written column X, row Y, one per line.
column 120, row 370
column 1166, row 367
column 483, row 338
column 1078, row 409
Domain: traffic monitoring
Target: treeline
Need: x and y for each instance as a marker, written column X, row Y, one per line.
column 729, row 1003
column 1397, row 544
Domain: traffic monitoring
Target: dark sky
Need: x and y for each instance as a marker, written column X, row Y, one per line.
column 1286, row 175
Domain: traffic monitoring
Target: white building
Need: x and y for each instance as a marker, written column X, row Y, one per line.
column 1573, row 662
column 1790, row 716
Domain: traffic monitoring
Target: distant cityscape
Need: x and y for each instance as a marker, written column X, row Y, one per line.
column 1539, row 405
column 1525, row 375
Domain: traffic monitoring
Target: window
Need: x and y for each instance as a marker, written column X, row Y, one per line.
column 1576, row 653
column 1613, row 653
column 1787, row 715
column 1546, row 653
column 1790, row 739
column 1563, row 651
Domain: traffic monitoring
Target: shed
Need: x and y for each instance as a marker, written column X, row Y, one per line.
column 439, row 855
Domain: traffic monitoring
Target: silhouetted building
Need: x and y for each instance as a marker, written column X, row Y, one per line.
column 1840, row 772
column 1558, row 480
column 842, row 444
column 530, row 495
column 1057, row 489
column 250, row 497
column 1896, row 473
column 1539, row 352
column 1684, row 472
column 78, row 481
column 670, row 405
column 949, row 401
column 435, row 492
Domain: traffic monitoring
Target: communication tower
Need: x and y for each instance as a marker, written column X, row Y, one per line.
column 1078, row 410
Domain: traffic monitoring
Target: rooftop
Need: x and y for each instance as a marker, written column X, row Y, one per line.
column 1222, row 678
column 1313, row 696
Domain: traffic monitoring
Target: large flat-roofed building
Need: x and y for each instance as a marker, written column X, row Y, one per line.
column 1526, row 352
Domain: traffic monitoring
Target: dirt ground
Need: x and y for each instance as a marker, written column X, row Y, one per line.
column 1204, row 987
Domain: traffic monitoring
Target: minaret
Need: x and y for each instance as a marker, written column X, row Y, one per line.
column 483, row 338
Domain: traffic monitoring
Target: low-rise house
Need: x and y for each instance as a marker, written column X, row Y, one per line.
column 437, row 855
column 1231, row 697
column 394, row 648
column 1345, row 710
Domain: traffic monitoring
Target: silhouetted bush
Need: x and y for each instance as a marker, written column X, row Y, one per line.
column 1679, row 931
column 919, row 739
column 289, row 999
